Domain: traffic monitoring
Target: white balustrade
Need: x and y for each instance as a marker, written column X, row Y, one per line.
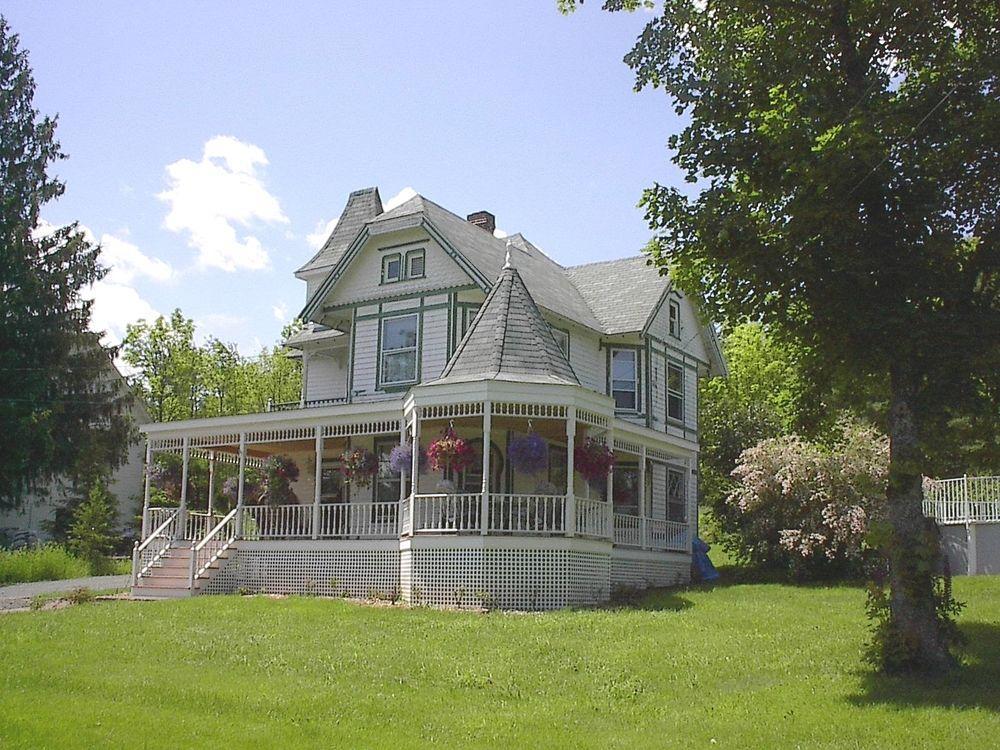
column 199, row 523
column 153, row 547
column 216, row 541
column 963, row 500
column 628, row 530
column 277, row 521
column 359, row 520
column 527, row 514
column 666, row 535
column 592, row 518
column 441, row 513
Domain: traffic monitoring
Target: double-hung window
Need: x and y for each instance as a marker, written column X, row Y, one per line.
column 625, row 379
column 398, row 354
column 675, row 392
column 676, row 496
column 674, row 313
column 392, row 268
column 415, row 261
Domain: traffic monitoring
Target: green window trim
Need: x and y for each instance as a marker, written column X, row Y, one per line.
column 381, row 383
column 415, row 255
column 636, row 380
column 387, row 261
column 674, row 318
column 675, row 395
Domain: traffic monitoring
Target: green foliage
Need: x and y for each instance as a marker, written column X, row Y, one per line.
column 93, row 535
column 51, row 562
column 62, row 408
column 749, row 666
column 181, row 380
column 846, row 155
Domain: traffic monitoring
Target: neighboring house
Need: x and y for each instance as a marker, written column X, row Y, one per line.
column 38, row 510
column 418, row 319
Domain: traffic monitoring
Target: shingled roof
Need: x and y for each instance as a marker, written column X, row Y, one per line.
column 509, row 340
column 362, row 206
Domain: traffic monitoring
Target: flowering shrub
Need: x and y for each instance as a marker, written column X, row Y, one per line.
column 359, row 466
column 279, row 473
column 805, row 507
column 401, row 458
column 251, row 489
column 593, row 460
column 450, row 452
column 529, row 453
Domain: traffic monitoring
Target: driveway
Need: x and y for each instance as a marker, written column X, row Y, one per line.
column 20, row 595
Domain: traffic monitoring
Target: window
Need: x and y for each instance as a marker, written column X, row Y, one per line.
column 398, row 355
column 331, row 486
column 392, row 268
column 675, row 318
column 562, row 338
column 625, row 379
column 676, row 500
column 626, row 492
column 415, row 264
column 387, row 481
column 675, row 392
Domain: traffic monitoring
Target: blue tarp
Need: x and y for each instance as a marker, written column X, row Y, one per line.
column 702, row 565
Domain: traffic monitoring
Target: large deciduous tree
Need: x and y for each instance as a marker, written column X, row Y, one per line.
column 62, row 413
column 845, row 161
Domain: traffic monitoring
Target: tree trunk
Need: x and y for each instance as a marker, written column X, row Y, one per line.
column 912, row 566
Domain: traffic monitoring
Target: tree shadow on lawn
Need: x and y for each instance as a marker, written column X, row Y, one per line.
column 650, row 600
column 976, row 684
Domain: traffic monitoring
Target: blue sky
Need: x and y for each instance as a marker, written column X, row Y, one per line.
column 210, row 143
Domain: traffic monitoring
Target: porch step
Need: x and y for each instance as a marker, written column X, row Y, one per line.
column 168, row 577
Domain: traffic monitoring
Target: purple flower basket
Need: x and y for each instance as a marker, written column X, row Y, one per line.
column 401, row 458
column 529, row 454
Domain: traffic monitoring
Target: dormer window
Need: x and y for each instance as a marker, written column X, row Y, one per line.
column 415, row 264
column 675, row 318
column 392, row 268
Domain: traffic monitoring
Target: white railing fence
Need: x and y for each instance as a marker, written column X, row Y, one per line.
column 199, row 523
column 527, row 514
column 277, row 521
column 592, row 518
column 438, row 513
column 666, row 535
column 628, row 530
column 153, row 547
column 963, row 500
column 216, row 541
column 359, row 520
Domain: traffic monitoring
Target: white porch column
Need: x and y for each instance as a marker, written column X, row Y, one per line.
column 182, row 510
column 691, row 487
column 414, row 469
column 642, row 499
column 211, row 481
column 318, row 489
column 239, row 487
column 146, row 490
column 611, row 486
column 484, row 509
column 571, row 528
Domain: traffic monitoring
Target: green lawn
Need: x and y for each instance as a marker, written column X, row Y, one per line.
column 741, row 666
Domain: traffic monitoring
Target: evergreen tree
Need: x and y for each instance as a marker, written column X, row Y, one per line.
column 62, row 411
column 93, row 534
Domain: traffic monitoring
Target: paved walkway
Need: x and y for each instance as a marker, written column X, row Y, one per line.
column 20, row 594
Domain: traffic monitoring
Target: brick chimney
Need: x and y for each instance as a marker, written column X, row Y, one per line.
column 483, row 220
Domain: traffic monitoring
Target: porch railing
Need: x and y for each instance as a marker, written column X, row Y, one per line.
column 963, row 500
column 446, row 513
column 208, row 550
column 277, row 521
column 359, row 520
column 666, row 535
column 153, row 547
column 199, row 523
column 312, row 404
column 593, row 518
column 628, row 530
column 527, row 514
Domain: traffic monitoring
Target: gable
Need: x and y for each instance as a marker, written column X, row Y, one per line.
column 360, row 279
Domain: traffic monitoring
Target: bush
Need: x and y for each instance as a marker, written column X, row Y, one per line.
column 48, row 563
column 805, row 508
column 92, row 536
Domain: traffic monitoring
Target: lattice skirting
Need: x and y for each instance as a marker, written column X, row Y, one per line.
column 509, row 578
column 326, row 569
column 640, row 570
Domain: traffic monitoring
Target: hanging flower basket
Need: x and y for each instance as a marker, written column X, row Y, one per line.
column 593, row 460
column 276, row 487
column 529, row 453
column 401, row 459
column 450, row 453
column 359, row 466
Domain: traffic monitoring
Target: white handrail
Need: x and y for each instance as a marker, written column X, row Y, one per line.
column 962, row 500
column 197, row 553
column 138, row 549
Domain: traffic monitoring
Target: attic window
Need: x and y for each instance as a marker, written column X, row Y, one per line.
column 392, row 268
column 415, row 264
column 562, row 339
column 675, row 319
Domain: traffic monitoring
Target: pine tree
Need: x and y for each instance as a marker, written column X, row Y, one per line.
column 62, row 413
column 92, row 535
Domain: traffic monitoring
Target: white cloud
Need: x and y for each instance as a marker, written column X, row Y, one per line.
column 115, row 306
column 500, row 234
column 399, row 198
column 319, row 235
column 126, row 261
column 210, row 197
column 280, row 311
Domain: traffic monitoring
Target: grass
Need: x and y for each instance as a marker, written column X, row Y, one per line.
column 738, row 666
column 52, row 562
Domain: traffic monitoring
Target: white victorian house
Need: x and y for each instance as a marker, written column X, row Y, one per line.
column 419, row 321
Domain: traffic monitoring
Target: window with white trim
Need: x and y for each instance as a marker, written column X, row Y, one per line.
column 625, row 379
column 675, row 392
column 392, row 268
column 415, row 262
column 398, row 350
column 674, row 316
column 676, row 496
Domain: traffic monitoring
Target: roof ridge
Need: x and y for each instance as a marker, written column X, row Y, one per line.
column 605, row 262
